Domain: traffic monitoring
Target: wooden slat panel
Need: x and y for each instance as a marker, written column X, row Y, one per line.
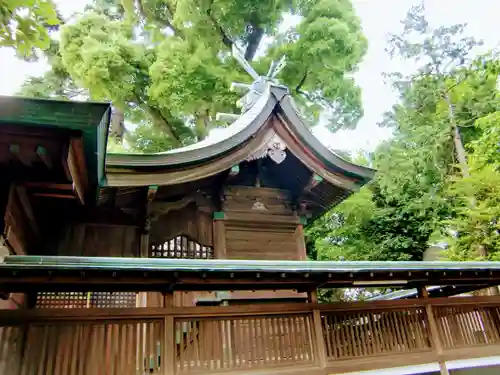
column 374, row 333
column 248, row 243
column 243, row 342
column 466, row 326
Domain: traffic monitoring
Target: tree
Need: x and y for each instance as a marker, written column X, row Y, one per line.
column 440, row 51
column 395, row 217
column 166, row 65
column 478, row 225
column 25, row 24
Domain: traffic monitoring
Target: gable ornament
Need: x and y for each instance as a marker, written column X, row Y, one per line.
column 274, row 148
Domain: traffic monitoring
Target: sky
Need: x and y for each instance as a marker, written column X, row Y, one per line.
column 378, row 18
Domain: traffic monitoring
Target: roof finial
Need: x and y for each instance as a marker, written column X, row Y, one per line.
column 256, row 89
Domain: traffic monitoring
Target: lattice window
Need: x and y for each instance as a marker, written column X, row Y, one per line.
column 62, row 300
column 81, row 300
column 117, row 299
column 181, row 247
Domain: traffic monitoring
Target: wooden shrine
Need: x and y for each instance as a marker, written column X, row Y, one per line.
column 193, row 260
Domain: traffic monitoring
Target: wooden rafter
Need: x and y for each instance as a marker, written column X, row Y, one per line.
column 48, row 185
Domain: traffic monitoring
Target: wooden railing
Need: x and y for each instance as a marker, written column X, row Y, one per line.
column 374, row 333
column 295, row 337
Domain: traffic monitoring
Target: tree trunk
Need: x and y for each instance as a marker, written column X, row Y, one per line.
column 162, row 123
column 464, row 167
column 117, row 124
column 457, row 139
column 201, row 127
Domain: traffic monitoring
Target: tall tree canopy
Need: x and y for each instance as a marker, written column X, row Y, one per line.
column 418, row 196
column 25, row 24
column 166, row 65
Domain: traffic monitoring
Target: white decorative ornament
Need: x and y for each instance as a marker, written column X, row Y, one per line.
column 259, row 206
column 274, row 148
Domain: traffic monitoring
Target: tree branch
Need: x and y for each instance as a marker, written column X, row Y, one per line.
column 146, row 13
column 301, row 82
column 253, row 40
column 225, row 38
column 160, row 121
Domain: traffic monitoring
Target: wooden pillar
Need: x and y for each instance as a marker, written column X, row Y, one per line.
column 219, row 234
column 433, row 327
column 169, row 356
column 442, row 369
column 4, row 199
column 300, row 241
column 318, row 330
column 142, row 297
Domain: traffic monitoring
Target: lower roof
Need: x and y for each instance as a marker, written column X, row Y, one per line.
column 32, row 273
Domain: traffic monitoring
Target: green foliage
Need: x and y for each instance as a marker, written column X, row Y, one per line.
column 166, row 64
column 477, row 198
column 418, row 193
column 25, row 24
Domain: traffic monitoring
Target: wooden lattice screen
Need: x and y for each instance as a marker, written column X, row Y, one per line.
column 181, row 247
column 80, row 300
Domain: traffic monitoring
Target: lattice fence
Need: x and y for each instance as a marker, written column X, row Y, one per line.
column 462, row 326
column 181, row 247
column 360, row 334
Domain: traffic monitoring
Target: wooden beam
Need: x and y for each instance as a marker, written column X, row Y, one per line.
column 28, row 209
column 48, row 185
column 49, row 195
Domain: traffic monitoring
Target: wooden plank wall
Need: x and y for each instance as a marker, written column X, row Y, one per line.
column 259, row 224
column 264, row 243
column 100, row 240
column 188, row 221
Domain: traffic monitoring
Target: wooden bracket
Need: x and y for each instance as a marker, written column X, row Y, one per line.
column 75, row 168
column 42, row 153
column 313, row 182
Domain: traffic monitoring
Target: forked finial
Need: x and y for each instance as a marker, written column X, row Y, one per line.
column 238, row 55
column 256, row 89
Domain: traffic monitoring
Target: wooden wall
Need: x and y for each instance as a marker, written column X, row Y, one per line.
column 259, row 223
column 100, row 240
column 188, row 221
column 265, row 243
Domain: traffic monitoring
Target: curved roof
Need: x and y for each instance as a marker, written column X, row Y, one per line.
column 273, row 111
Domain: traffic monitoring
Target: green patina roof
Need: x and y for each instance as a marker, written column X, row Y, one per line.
column 89, row 118
column 226, row 265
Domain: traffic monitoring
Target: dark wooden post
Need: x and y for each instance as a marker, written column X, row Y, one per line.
column 318, row 330
column 219, row 234
column 300, row 241
column 168, row 360
column 433, row 328
column 4, row 199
